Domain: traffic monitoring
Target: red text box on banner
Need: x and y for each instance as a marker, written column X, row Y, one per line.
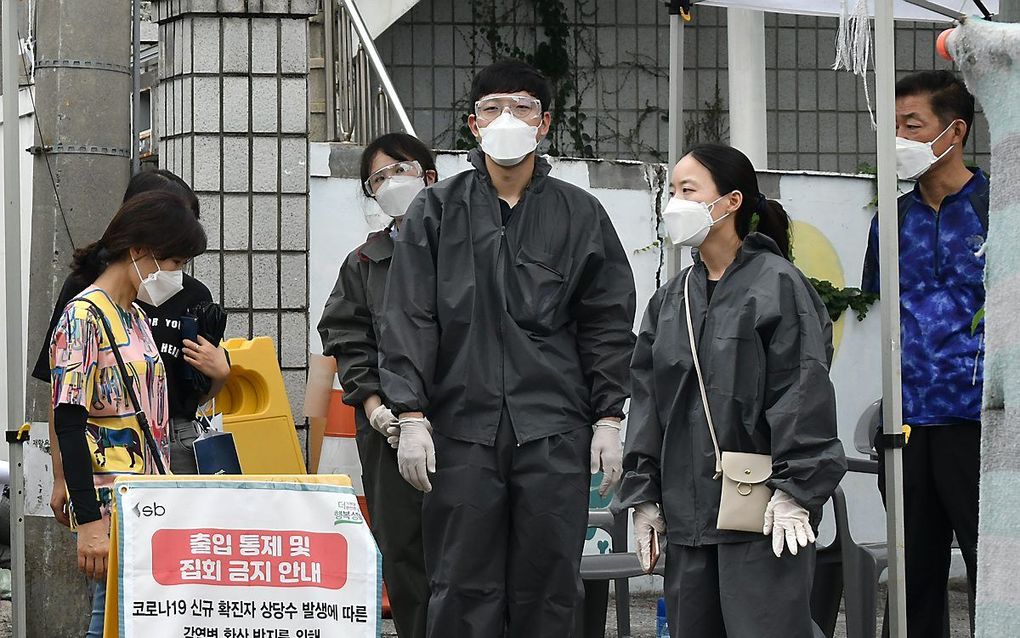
column 240, row 558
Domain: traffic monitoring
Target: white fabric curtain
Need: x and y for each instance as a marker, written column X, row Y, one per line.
column 903, row 9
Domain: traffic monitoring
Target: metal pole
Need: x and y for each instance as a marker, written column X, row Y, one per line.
column 892, row 408
column 328, row 30
column 136, row 84
column 745, row 35
column 676, row 113
column 368, row 46
column 15, row 344
column 676, row 88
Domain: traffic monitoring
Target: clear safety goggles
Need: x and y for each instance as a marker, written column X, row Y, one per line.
column 378, row 178
column 523, row 107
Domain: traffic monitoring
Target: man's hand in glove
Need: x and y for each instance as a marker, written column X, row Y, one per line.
column 607, row 453
column 788, row 523
column 648, row 520
column 416, row 455
column 382, row 420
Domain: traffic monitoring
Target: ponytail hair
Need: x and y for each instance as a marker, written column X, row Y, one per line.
column 732, row 171
column 89, row 262
column 162, row 222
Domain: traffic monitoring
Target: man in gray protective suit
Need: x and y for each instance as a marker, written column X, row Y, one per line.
column 506, row 335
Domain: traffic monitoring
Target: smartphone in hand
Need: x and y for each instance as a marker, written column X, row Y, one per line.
column 653, row 552
column 189, row 328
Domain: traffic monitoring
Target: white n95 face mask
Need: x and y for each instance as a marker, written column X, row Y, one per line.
column 160, row 285
column 397, row 192
column 508, row 140
column 689, row 222
column 913, row 159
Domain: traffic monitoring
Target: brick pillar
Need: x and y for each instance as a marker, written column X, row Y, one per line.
column 233, row 122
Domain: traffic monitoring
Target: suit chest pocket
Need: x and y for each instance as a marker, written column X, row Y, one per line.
column 738, row 359
column 535, row 285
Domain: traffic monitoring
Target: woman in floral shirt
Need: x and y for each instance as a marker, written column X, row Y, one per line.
column 140, row 256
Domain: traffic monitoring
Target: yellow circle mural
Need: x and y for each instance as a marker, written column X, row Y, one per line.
column 814, row 254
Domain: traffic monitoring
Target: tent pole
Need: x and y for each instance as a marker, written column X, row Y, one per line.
column 12, row 269
column 676, row 87
column 892, row 407
column 676, row 111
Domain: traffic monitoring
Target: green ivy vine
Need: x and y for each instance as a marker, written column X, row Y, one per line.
column 554, row 54
column 837, row 300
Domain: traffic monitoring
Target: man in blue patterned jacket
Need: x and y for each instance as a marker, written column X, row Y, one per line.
column 943, row 223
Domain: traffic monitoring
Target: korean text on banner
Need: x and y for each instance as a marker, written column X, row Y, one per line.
column 242, row 557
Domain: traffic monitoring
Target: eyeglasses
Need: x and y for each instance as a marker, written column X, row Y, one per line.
column 522, row 107
column 376, row 179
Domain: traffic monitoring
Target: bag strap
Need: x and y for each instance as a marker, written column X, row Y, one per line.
column 143, row 421
column 701, row 380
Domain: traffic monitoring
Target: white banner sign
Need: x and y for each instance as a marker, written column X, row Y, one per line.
column 245, row 559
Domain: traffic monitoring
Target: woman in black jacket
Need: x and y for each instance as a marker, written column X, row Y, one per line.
column 394, row 169
column 764, row 343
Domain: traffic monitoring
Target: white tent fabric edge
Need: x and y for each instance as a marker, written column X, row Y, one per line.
column 902, row 9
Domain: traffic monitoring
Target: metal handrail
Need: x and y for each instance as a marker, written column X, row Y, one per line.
column 357, row 109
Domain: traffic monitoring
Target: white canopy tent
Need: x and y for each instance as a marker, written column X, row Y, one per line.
column 745, row 122
column 929, row 11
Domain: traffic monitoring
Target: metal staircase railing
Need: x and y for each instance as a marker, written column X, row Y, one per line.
column 360, row 97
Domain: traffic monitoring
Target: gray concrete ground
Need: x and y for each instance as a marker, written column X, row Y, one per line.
column 642, row 616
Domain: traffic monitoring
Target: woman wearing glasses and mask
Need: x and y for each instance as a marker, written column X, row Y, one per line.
column 394, row 169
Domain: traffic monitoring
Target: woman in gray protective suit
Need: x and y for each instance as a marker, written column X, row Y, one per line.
column 764, row 343
column 394, row 169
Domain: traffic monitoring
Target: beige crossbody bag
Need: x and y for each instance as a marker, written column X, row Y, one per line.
column 744, row 493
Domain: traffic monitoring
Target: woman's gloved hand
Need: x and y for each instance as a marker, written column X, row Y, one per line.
column 416, row 454
column 788, row 523
column 648, row 520
column 607, row 453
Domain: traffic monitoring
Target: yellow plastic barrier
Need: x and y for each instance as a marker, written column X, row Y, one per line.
column 256, row 410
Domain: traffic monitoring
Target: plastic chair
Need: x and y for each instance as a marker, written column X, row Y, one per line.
column 827, row 589
column 867, row 426
column 598, row 570
column 863, row 563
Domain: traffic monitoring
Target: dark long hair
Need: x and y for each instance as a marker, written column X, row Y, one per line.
column 732, row 171
column 401, row 147
column 159, row 221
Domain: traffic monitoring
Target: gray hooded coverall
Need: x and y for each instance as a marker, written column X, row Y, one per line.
column 512, row 336
column 765, row 343
column 349, row 328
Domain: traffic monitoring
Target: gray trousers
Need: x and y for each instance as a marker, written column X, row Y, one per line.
column 739, row 590
column 394, row 512
column 182, row 446
column 504, row 528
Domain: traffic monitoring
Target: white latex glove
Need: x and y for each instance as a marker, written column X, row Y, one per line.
column 382, row 420
column 393, row 434
column 647, row 519
column 416, row 454
column 788, row 523
column 607, row 453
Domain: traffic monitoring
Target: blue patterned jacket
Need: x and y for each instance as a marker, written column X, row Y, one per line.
column 941, row 290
